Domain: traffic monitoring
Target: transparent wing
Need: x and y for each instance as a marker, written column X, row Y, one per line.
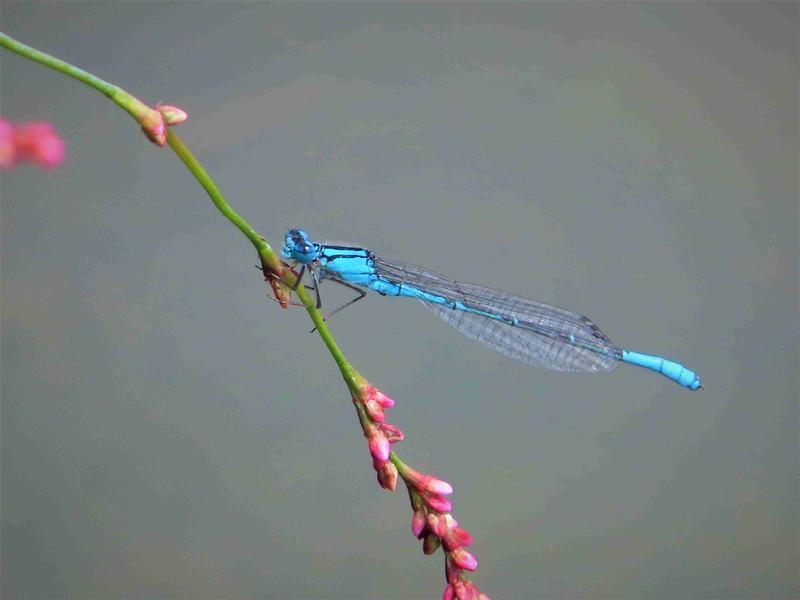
column 529, row 331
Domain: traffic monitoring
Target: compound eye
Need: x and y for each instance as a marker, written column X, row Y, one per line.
column 298, row 236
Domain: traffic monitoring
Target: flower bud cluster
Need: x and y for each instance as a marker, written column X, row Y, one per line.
column 154, row 123
column 380, row 434
column 36, row 141
column 431, row 522
column 435, row 526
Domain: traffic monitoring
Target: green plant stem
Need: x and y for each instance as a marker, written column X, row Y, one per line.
column 349, row 374
column 402, row 468
column 196, row 169
column 265, row 252
column 132, row 105
column 140, row 112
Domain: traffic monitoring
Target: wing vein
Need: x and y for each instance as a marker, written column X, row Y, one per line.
column 529, row 331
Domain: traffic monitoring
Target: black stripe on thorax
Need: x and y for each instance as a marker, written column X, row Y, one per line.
column 326, row 246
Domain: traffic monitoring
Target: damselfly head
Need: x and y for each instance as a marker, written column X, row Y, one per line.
column 298, row 247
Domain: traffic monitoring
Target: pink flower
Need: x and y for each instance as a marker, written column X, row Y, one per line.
column 425, row 484
column 392, row 433
column 418, row 524
column 39, row 142
column 436, row 523
column 446, row 527
column 172, row 114
column 374, row 410
column 36, row 141
column 463, row 559
column 373, row 400
column 456, row 538
column 380, row 435
column 429, row 490
column 154, row 122
column 378, row 444
column 437, row 503
column 374, row 394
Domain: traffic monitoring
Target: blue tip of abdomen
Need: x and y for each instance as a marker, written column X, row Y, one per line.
column 668, row 368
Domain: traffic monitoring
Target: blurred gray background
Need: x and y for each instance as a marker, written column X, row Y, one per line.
column 168, row 431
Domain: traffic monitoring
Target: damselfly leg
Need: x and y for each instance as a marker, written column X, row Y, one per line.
column 316, row 287
column 361, row 293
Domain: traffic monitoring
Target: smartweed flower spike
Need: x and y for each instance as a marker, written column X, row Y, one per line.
column 36, row 141
column 436, row 527
column 431, row 522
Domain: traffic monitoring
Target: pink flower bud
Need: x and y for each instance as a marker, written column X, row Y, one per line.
column 152, row 123
column 431, row 543
column 437, row 523
column 451, row 522
column 172, row 114
column 370, row 392
column 449, row 593
column 464, row 560
column 382, row 399
column 374, row 410
column 427, row 484
column 418, row 524
column 378, row 444
column 156, row 132
column 387, row 476
column 373, row 400
column 456, row 538
column 437, row 486
column 438, row 503
column 50, row 152
column 392, row 433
